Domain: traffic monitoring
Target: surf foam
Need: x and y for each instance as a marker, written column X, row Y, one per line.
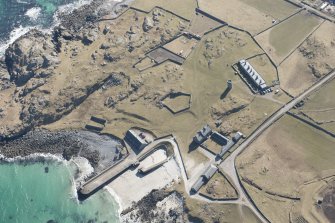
column 33, row 13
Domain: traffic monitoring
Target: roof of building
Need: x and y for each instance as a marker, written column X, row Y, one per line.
column 206, row 130
column 203, row 133
column 237, row 136
column 134, row 140
column 198, row 184
column 219, row 139
column 210, row 171
column 226, row 148
column 254, row 76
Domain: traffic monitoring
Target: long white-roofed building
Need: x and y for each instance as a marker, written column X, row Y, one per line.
column 253, row 75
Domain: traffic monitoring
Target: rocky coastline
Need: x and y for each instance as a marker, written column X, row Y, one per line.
column 65, row 143
column 158, row 206
column 27, row 73
column 30, row 64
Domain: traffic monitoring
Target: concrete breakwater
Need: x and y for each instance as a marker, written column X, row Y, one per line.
column 132, row 160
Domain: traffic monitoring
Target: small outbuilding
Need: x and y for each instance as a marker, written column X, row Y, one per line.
column 204, row 178
column 252, row 75
column 237, row 137
column 211, row 170
column 135, row 141
column 197, row 185
column 203, row 134
column 219, row 139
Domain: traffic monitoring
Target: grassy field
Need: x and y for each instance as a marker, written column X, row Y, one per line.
column 185, row 8
column 145, row 63
column 201, row 24
column 218, row 187
column 177, row 103
column 253, row 16
column 320, row 107
column 321, row 99
column 247, row 120
column 229, row 213
column 312, row 60
column 213, row 146
column 281, row 160
column 286, row 36
column 265, row 68
column 283, row 38
column 204, row 75
column 287, row 155
column 278, row 9
column 199, row 211
column 182, row 46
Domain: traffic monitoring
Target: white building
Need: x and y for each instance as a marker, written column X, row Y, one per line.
column 256, row 79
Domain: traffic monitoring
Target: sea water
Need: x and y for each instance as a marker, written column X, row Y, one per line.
column 35, row 192
column 19, row 16
column 45, row 193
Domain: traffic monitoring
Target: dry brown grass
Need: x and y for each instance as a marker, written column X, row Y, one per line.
column 253, row 16
column 285, row 37
column 182, row 46
column 200, row 211
column 185, row 8
column 201, row 24
column 320, row 105
column 312, row 60
column 210, row 82
column 178, row 103
column 145, row 64
column 287, row 155
column 265, row 68
column 212, row 146
column 218, row 187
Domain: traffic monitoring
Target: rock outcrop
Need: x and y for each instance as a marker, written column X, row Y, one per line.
column 148, row 23
column 49, row 75
column 26, row 56
column 157, row 206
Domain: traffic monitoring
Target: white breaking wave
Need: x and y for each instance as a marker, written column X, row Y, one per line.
column 68, row 8
column 35, row 157
column 33, row 13
column 84, row 167
column 21, row 2
column 81, row 164
column 14, row 35
column 116, row 198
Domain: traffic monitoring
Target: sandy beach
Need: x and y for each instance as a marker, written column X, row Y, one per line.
column 131, row 187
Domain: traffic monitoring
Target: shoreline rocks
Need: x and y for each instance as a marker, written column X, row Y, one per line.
column 157, row 206
column 66, row 143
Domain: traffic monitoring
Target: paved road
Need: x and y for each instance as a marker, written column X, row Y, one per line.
column 311, row 9
column 228, row 165
column 103, row 178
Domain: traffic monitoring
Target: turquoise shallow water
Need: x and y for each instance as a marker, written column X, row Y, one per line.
column 17, row 16
column 13, row 13
column 30, row 195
